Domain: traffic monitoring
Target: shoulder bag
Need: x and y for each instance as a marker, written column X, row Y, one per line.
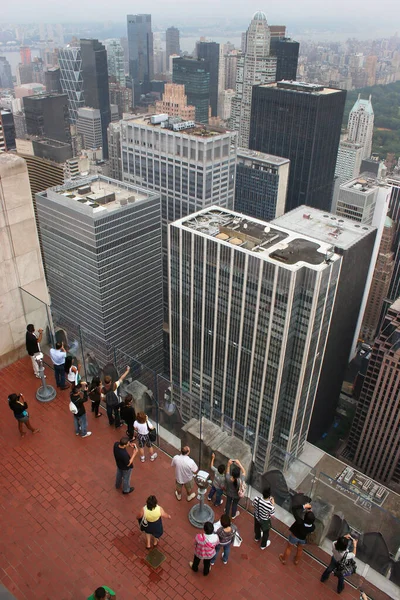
column 346, row 566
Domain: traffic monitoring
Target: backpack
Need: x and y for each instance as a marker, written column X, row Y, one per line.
column 346, row 566
column 112, row 399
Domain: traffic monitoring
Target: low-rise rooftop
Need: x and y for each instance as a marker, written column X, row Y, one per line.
column 301, row 86
column 97, row 194
column 323, row 226
column 262, row 157
column 252, row 235
column 199, row 130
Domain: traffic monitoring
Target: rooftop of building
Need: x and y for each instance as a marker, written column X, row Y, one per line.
column 66, row 530
column 324, row 226
column 250, row 235
column 301, row 86
column 96, row 194
column 364, row 183
column 262, row 157
column 198, row 130
column 363, row 105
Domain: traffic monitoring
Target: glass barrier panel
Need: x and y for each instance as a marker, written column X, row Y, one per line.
column 38, row 313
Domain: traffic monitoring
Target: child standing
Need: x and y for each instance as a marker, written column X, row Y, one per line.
column 218, row 485
column 204, row 548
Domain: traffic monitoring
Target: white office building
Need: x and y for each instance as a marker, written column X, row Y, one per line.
column 349, row 159
column 250, row 305
column 361, row 125
column 254, row 66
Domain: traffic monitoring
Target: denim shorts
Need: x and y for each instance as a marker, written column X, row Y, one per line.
column 294, row 540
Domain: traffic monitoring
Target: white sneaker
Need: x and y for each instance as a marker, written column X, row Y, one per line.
column 142, row 458
column 178, row 496
column 237, row 514
column 153, row 456
column 268, row 544
column 87, row 434
column 77, row 434
column 189, row 498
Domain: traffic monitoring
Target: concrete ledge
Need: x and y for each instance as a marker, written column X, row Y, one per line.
column 5, row 594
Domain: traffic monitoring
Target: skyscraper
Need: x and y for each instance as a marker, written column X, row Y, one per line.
column 112, row 287
column 374, row 440
column 172, row 42
column 261, row 184
column 250, row 307
column 88, row 126
column 53, row 80
column 140, row 42
column 95, row 83
column 194, row 74
column 380, row 282
column 209, row 51
column 357, row 199
column 190, row 167
column 174, row 103
column 115, row 61
column 349, row 159
column 301, row 122
column 286, row 51
column 71, row 79
column 47, row 116
column 255, row 66
column 7, row 131
column 6, row 80
column 361, row 125
column 355, row 244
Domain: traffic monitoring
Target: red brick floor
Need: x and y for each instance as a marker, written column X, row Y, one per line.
column 66, row 530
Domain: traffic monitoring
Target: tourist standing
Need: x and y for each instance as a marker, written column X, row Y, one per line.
column 185, row 469
column 20, row 409
column 95, row 396
column 264, row 508
column 150, row 518
column 142, row 428
column 226, row 534
column 218, row 485
column 33, row 339
column 103, row 593
column 128, row 415
column 78, row 396
column 110, row 393
column 58, row 356
column 204, row 548
column 235, row 474
column 298, row 532
column 340, row 551
column 124, row 464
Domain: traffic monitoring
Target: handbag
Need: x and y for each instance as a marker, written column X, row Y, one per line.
column 73, row 408
column 152, row 432
column 242, row 489
column 237, row 540
column 143, row 523
column 346, row 566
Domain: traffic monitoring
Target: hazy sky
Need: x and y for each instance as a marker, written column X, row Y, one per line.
column 289, row 11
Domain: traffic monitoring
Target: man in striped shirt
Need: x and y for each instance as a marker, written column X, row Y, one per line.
column 264, row 508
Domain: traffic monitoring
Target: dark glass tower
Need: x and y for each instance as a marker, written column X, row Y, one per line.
column 195, row 76
column 210, row 52
column 140, row 45
column 172, row 43
column 287, row 54
column 301, row 122
column 95, row 83
column 47, row 116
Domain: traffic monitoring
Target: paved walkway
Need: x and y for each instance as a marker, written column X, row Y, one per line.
column 66, row 530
